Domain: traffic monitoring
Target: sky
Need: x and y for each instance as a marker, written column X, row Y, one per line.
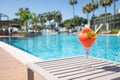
column 10, row 7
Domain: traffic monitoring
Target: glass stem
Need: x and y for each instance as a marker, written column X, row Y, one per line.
column 87, row 56
column 87, row 53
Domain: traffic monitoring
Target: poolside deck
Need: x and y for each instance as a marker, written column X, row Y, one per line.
column 11, row 68
column 72, row 69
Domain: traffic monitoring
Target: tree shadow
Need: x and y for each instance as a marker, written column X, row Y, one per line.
column 111, row 68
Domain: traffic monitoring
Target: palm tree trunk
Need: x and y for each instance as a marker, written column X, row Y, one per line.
column 106, row 15
column 93, row 18
column 88, row 17
column 93, row 12
column 42, row 24
column 73, row 11
column 114, row 7
column 26, row 26
column 0, row 16
column 114, row 12
column 35, row 26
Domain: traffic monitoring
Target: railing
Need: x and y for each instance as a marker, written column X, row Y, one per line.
column 118, row 33
column 3, row 15
column 112, row 20
column 97, row 29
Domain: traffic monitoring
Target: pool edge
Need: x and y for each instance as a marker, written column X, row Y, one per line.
column 21, row 55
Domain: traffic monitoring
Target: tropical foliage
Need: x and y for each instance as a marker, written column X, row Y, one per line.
column 94, row 6
column 104, row 15
column 58, row 17
column 79, row 21
column 24, row 16
column 42, row 19
column 49, row 20
column 45, row 20
column 89, row 7
column 34, row 21
column 53, row 19
column 105, row 3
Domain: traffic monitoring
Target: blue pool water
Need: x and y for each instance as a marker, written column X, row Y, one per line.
column 59, row 46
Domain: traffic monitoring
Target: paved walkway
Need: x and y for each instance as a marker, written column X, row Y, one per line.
column 11, row 68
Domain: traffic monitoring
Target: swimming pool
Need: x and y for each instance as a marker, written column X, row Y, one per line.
column 66, row 45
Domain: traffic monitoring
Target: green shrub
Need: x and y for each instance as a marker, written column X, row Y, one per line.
column 115, row 31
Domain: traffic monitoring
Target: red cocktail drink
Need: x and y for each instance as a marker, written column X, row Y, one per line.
column 87, row 37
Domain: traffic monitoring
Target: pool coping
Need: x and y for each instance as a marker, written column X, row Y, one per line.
column 109, row 34
column 21, row 55
column 10, row 36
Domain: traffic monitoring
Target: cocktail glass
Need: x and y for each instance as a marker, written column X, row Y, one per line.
column 87, row 37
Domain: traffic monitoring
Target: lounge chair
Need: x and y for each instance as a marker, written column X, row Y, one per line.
column 71, row 69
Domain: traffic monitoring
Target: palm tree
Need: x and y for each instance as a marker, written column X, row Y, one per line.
column 73, row 2
column 114, row 11
column 58, row 17
column 94, row 6
column 49, row 16
column 34, row 21
column 24, row 16
column 114, row 6
column 87, row 9
column 68, row 26
column 105, row 3
column 42, row 19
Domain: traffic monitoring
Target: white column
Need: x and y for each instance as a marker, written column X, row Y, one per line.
column 107, row 26
column 95, row 27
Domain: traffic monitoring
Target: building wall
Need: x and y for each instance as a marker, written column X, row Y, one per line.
column 113, row 21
